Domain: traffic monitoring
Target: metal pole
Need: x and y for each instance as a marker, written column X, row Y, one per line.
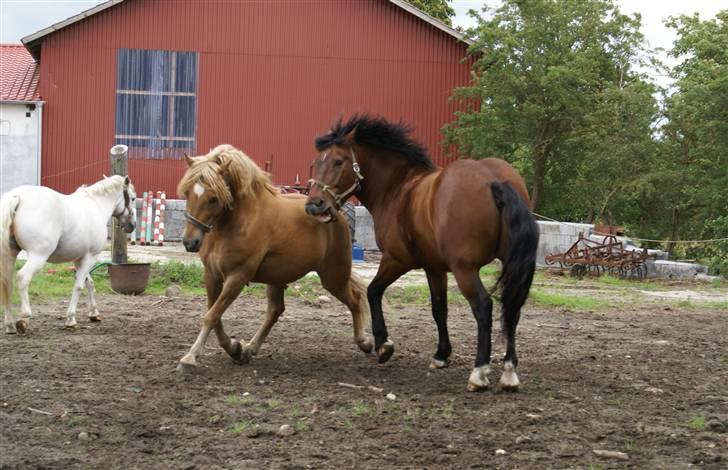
column 119, row 166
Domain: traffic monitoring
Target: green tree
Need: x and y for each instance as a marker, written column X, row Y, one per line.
column 555, row 93
column 439, row 9
column 696, row 133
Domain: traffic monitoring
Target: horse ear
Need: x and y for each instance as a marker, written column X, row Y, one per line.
column 350, row 138
column 188, row 160
column 127, row 181
column 105, row 177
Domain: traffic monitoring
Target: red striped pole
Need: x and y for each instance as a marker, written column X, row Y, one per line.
column 150, row 206
column 157, row 202
column 143, row 228
column 162, row 203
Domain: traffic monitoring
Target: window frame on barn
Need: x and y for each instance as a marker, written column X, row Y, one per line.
column 156, row 103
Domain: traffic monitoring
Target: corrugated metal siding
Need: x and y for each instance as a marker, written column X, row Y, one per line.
column 272, row 76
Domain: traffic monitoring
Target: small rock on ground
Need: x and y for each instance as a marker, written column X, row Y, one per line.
column 172, row 291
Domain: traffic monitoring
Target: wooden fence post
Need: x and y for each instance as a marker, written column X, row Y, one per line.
column 119, row 166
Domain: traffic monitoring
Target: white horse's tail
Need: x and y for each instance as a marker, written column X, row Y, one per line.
column 8, row 206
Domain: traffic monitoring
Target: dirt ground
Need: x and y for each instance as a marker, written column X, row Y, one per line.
column 649, row 382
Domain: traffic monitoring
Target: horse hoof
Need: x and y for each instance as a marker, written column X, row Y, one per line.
column 237, row 350
column 186, row 367
column 439, row 364
column 95, row 318
column 478, row 380
column 385, row 351
column 509, row 380
column 246, row 356
column 10, row 329
column 21, row 326
column 477, row 387
column 367, row 346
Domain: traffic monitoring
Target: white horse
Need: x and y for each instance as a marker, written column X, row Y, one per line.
column 57, row 228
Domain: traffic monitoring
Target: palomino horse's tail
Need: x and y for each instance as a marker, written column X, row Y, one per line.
column 520, row 260
column 8, row 205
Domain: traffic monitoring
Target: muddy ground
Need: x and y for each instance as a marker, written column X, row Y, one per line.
column 650, row 382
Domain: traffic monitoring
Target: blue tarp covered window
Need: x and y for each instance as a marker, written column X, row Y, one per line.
column 156, row 103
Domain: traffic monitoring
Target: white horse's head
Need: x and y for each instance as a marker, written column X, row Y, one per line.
column 125, row 208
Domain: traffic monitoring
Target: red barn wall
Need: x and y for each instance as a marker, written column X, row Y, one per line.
column 272, row 76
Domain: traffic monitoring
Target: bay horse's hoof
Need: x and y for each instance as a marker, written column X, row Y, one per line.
column 509, row 380
column 385, row 351
column 95, row 318
column 478, row 380
column 439, row 364
column 21, row 326
column 237, row 351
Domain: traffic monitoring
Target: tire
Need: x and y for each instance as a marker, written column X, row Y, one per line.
column 348, row 210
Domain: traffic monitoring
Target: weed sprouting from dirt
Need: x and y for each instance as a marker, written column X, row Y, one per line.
column 274, row 403
column 238, row 400
column 300, row 426
column 242, row 426
column 77, row 420
column 214, row 419
column 697, row 422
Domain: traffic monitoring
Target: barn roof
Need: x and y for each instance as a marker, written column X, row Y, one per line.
column 18, row 74
column 33, row 41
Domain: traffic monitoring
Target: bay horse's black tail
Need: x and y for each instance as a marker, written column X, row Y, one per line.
column 520, row 260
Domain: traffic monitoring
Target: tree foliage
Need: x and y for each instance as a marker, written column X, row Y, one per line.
column 439, row 9
column 556, row 94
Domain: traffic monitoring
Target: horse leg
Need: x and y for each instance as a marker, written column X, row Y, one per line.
column 468, row 280
column 83, row 266
column 438, row 297
column 276, row 307
column 230, row 290
column 34, row 263
column 351, row 292
column 93, row 314
column 9, row 316
column 388, row 272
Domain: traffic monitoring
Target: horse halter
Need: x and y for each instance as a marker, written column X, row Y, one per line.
column 198, row 223
column 339, row 199
column 127, row 203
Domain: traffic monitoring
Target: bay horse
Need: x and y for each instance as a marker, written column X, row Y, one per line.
column 246, row 231
column 453, row 220
column 58, row 228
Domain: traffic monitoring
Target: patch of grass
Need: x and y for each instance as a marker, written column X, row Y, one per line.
column 274, row 403
column 443, row 411
column 295, row 412
column 625, row 283
column 214, row 419
column 359, row 408
column 697, row 422
column 242, row 426
column 559, row 300
column 77, row 420
column 300, row 426
column 596, row 466
column 238, row 400
column 628, row 444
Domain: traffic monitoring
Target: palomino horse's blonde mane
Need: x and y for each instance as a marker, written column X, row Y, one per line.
column 228, row 173
column 108, row 185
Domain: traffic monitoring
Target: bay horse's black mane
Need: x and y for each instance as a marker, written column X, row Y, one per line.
column 378, row 132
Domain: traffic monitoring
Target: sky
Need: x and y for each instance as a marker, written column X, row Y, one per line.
column 19, row 18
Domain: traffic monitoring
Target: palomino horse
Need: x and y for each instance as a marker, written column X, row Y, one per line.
column 246, row 232
column 454, row 220
column 56, row 227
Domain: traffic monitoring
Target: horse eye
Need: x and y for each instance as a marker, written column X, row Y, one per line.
column 338, row 162
column 213, row 200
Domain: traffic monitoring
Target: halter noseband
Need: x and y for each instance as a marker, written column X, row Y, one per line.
column 127, row 203
column 198, row 223
column 339, row 199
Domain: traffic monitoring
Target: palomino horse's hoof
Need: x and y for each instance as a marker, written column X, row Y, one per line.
column 366, row 346
column 439, row 364
column 95, row 318
column 21, row 326
column 385, row 351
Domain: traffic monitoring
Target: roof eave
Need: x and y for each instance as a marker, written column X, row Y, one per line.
column 32, row 41
column 433, row 21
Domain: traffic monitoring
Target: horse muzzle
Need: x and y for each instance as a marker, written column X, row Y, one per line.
column 317, row 207
column 192, row 245
column 129, row 227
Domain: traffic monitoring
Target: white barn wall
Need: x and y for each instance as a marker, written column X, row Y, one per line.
column 19, row 144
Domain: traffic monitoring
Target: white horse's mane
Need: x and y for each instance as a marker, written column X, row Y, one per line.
column 108, row 185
